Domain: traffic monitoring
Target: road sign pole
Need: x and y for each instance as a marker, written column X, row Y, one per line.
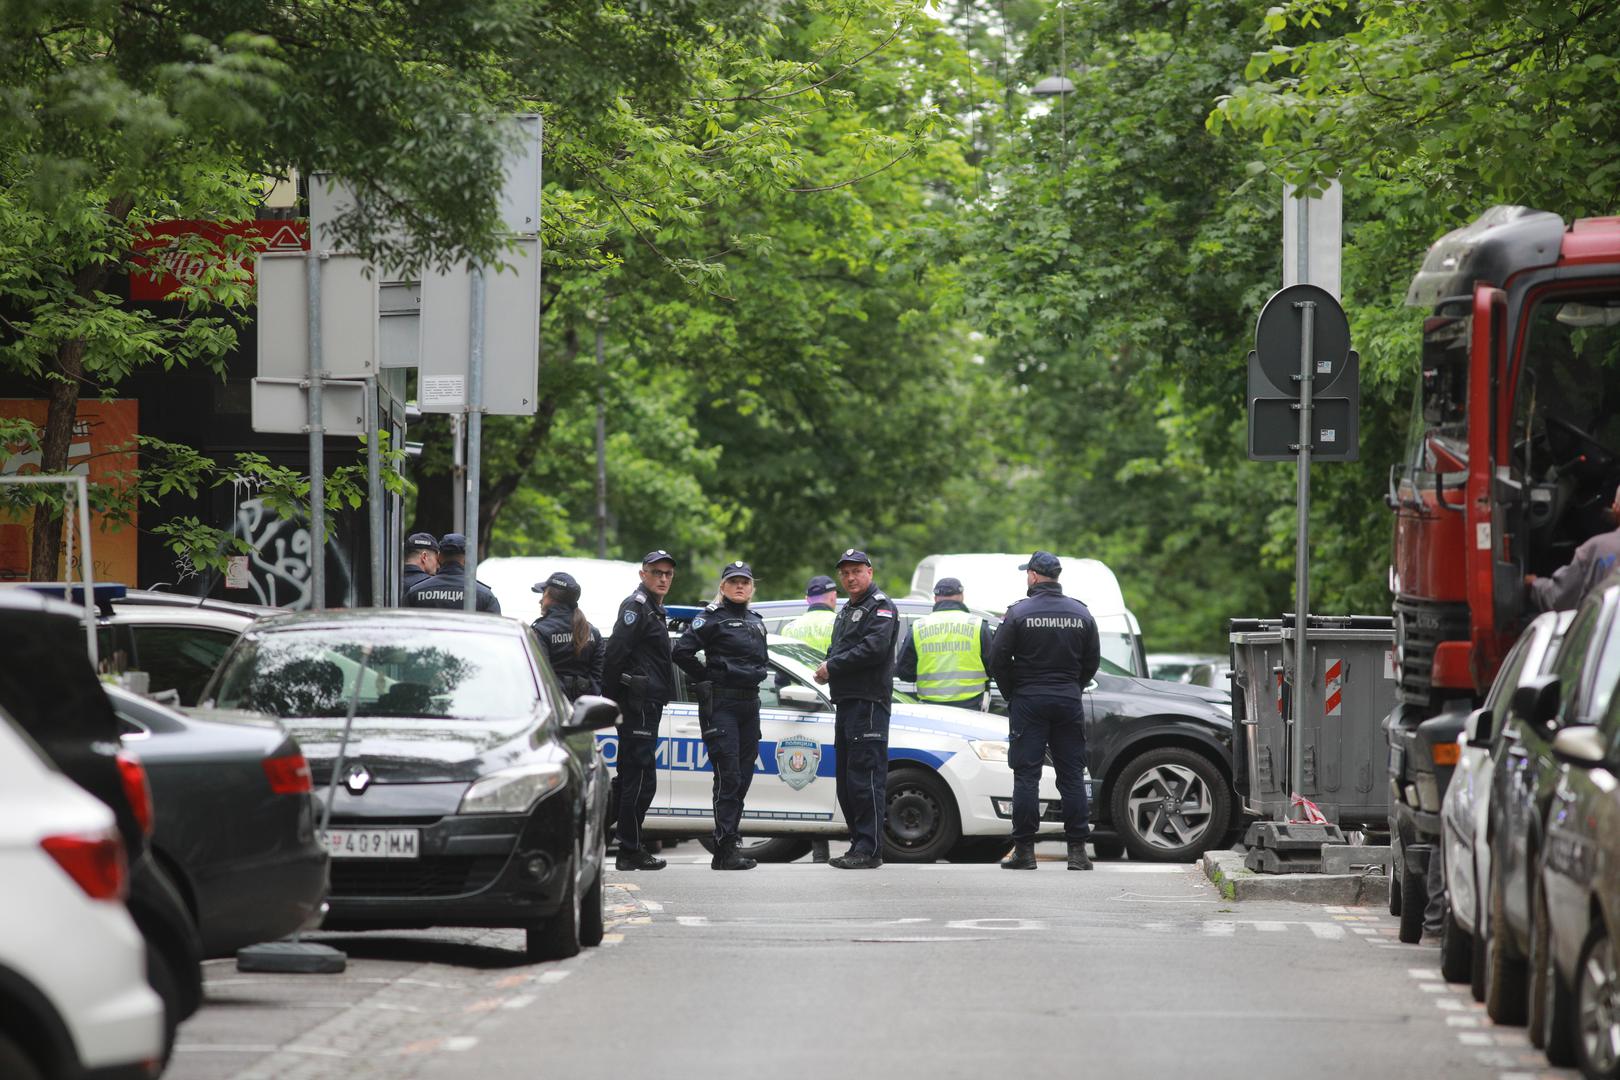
column 475, row 428
column 374, row 499
column 1302, row 557
column 317, row 439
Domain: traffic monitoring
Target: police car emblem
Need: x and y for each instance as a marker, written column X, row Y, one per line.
column 797, row 759
column 629, row 618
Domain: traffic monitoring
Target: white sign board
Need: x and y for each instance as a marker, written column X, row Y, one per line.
column 282, row 406
column 349, row 337
column 511, row 368
column 1324, row 239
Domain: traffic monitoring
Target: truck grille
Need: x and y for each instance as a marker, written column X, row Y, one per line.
column 432, row 875
column 1420, row 627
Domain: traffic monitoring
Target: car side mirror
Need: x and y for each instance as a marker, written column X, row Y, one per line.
column 1536, row 702
column 591, row 713
column 799, row 696
column 1580, row 745
column 1481, row 727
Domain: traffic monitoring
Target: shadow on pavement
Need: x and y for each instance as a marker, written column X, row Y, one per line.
column 381, row 945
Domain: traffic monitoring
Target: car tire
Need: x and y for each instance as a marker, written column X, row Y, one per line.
column 15, row 1063
column 592, row 915
column 1599, row 1031
column 1456, row 950
column 1394, row 892
column 1504, row 972
column 922, row 823
column 1156, row 775
column 1557, row 1013
column 1536, row 995
column 1108, row 849
column 558, row 937
column 1476, row 965
column 1414, row 898
column 161, row 978
column 774, row 849
column 979, row 849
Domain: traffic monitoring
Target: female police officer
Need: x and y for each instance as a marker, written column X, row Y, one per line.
column 572, row 644
column 731, row 637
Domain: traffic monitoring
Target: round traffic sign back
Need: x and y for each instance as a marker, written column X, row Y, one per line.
column 1277, row 344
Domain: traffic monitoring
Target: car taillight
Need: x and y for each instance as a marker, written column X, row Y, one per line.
column 136, row 789
column 288, row 775
column 95, row 861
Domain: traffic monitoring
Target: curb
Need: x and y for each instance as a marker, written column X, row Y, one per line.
column 1227, row 873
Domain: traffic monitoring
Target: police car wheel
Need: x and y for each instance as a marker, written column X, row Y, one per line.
column 775, row 849
column 1170, row 804
column 922, row 824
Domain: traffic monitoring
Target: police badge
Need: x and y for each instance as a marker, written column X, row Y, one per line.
column 797, row 759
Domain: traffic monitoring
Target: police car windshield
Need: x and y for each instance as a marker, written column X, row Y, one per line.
column 452, row 675
column 792, row 650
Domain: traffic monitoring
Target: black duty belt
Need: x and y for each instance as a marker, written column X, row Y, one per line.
column 726, row 693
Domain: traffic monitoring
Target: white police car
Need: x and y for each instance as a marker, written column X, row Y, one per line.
column 949, row 789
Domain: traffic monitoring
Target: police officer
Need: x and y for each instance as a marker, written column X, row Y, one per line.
column 421, row 561
column 572, row 644
column 814, row 627
column 946, row 650
column 731, row 637
column 448, row 587
column 636, row 674
column 1042, row 658
column 859, row 670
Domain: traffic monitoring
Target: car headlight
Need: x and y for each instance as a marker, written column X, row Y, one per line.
column 989, row 751
column 512, row 791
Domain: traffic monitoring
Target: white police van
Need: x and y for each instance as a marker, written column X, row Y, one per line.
column 949, row 788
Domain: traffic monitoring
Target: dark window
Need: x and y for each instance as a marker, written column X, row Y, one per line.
column 180, row 658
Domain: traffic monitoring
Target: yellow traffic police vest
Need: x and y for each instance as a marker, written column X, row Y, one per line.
column 814, row 628
column 950, row 666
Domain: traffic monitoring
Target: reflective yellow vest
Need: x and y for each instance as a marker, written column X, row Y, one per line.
column 814, row 628
column 950, row 666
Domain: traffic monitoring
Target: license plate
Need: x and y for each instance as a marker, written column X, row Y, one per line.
column 373, row 843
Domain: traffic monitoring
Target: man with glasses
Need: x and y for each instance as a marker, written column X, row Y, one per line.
column 637, row 675
column 859, row 672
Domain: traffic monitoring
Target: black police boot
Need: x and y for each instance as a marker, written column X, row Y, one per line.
column 1022, row 857
column 1077, row 856
column 636, row 859
column 856, row 862
column 818, row 851
column 727, row 857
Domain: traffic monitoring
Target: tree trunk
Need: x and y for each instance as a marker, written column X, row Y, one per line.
column 55, row 441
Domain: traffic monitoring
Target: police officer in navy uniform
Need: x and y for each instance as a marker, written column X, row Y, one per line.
column 859, row 671
column 731, row 636
column 1042, row 658
column 421, row 561
column 636, row 673
column 572, row 644
column 448, row 588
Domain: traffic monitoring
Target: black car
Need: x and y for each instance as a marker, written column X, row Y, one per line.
column 50, row 689
column 1578, row 691
column 471, row 792
column 234, row 824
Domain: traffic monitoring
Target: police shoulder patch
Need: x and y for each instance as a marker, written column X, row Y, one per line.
column 697, row 623
column 884, row 613
column 879, row 597
column 629, row 618
column 640, row 597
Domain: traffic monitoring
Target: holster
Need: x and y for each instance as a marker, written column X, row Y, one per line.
column 635, row 687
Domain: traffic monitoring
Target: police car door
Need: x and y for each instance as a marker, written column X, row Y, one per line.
column 685, row 777
column 793, row 779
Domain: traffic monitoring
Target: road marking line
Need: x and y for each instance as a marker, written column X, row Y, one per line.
column 996, row 924
column 1450, row 1004
column 1268, row 927
column 1220, row 928
column 518, row 1001
column 1334, row 910
column 549, row 977
column 484, row 1005
column 1364, row 931
column 461, row 1042
column 612, row 939
column 1462, row 1021
column 652, row 905
column 692, row 920
column 1512, row 1038
column 1429, row 974
column 1474, row 1038
column 510, row 981
column 1327, row 931
column 1433, row 988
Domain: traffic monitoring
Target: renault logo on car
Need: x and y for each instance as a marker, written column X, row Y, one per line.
column 358, row 780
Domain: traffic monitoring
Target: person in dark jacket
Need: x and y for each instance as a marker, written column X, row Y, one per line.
column 448, row 588
column 946, row 651
column 572, row 644
column 1043, row 656
column 421, row 562
column 859, row 671
column 731, row 637
column 1565, row 587
column 637, row 675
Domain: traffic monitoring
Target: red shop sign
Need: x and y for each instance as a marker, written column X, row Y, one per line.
column 167, row 268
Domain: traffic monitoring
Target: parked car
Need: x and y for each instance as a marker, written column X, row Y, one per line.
column 1465, row 810
column 1577, row 691
column 235, row 821
column 74, row 999
column 48, row 687
column 1579, row 901
column 1177, row 667
column 471, row 791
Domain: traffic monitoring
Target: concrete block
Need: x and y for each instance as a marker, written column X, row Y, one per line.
column 1236, row 882
column 1348, row 858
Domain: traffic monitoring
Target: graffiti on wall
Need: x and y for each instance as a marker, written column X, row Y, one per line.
column 279, row 565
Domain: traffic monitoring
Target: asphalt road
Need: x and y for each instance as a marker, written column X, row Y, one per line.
column 1134, row 970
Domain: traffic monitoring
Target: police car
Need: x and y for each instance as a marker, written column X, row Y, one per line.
column 949, row 787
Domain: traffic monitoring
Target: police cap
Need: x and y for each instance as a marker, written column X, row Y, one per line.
column 737, row 569
column 820, row 585
column 421, row 542
column 1043, row 563
column 947, row 586
column 452, row 544
column 853, row 555
column 658, row 556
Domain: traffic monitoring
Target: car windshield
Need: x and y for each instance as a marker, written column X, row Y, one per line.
column 448, row 675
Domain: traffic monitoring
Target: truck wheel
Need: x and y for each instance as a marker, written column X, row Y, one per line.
column 1414, row 898
column 774, row 849
column 1504, row 972
column 922, row 822
column 1456, row 950
column 1170, row 804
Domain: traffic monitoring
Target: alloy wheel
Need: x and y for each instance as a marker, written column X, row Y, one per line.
column 1599, row 1018
column 1170, row 806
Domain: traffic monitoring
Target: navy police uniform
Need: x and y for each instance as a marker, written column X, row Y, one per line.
column 579, row 670
column 1043, row 656
column 860, row 677
column 636, row 674
column 448, row 588
column 726, row 685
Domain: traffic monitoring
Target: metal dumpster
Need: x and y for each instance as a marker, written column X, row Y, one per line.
column 1351, row 689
